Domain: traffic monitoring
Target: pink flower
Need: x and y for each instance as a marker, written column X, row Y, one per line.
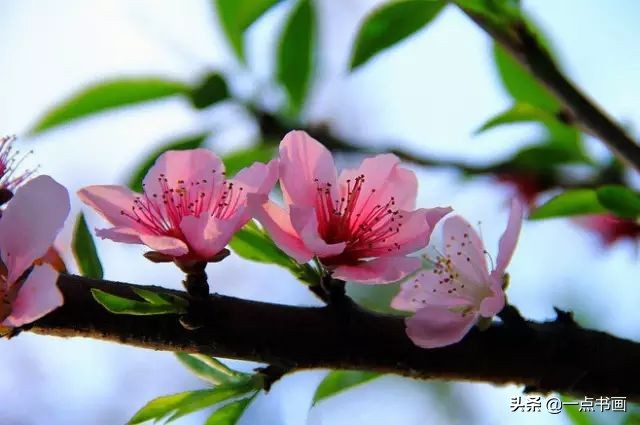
column 188, row 209
column 450, row 298
column 610, row 228
column 28, row 227
column 360, row 225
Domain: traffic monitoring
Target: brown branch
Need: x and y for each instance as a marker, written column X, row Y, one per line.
column 550, row 356
column 523, row 45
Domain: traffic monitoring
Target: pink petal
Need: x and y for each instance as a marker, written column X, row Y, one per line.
column 415, row 231
column 509, row 238
column 120, row 234
column 303, row 160
column 165, row 244
column 38, row 296
column 437, row 326
column 277, row 223
column 305, row 222
column 466, row 250
column 434, row 215
column 258, row 178
column 425, row 289
column 380, row 270
column 110, row 201
column 490, row 306
column 208, row 235
column 383, row 179
column 31, row 222
column 193, row 165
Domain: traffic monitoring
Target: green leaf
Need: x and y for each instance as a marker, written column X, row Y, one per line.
column 84, row 250
column 183, row 143
column 520, row 84
column 389, row 24
column 160, row 299
column 108, row 95
column 211, row 90
column 620, row 200
column 178, row 405
column 519, row 113
column 237, row 160
column 236, row 16
column 569, row 203
column 545, row 156
column 374, row 297
column 211, row 370
column 341, row 380
column 119, row 305
column 296, row 54
column 229, row 414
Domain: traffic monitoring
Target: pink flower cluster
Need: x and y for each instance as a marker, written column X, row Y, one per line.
column 360, row 225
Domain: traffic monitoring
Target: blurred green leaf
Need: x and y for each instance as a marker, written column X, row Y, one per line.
column 178, row 405
column 236, row 16
column 519, row 113
column 545, row 156
column 237, row 160
column 211, row 370
column 569, row 203
column 341, row 380
column 620, row 200
column 229, row 414
column 183, row 143
column 374, row 297
column 296, row 54
column 212, row 89
column 254, row 244
column 120, row 305
column 520, row 84
column 389, row 24
column 84, row 250
column 108, row 95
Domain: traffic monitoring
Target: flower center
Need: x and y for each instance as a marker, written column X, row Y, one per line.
column 364, row 225
column 10, row 160
column 161, row 213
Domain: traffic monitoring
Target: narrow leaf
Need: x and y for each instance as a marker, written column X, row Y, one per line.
column 189, row 142
column 253, row 244
column 229, row 414
column 84, row 250
column 237, row 160
column 236, row 16
column 520, row 84
column 161, row 299
column 620, row 200
column 341, row 380
column 181, row 404
column 519, row 113
column 391, row 23
column 108, row 95
column 210, row 369
column 572, row 202
column 296, row 54
column 211, row 90
column 119, row 305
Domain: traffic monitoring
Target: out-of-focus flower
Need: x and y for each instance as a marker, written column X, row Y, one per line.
column 450, row 298
column 188, row 210
column 10, row 160
column 526, row 185
column 610, row 228
column 361, row 225
column 28, row 227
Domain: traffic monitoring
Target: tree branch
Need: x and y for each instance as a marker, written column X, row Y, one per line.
column 523, row 45
column 550, row 356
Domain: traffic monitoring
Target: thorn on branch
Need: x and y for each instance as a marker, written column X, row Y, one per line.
column 271, row 374
column 511, row 317
column 565, row 317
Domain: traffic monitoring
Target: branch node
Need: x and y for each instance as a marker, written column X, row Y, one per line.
column 270, row 375
column 564, row 317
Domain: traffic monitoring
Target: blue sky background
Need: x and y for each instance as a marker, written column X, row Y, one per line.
column 429, row 93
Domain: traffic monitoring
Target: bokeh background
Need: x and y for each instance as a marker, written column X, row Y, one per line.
column 428, row 94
